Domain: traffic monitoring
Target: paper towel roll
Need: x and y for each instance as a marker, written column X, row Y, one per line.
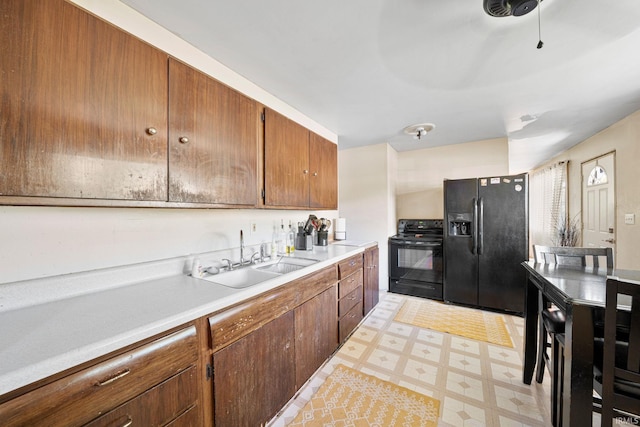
column 340, row 230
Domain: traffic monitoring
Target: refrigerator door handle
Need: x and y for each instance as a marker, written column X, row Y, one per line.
column 474, row 248
column 480, row 244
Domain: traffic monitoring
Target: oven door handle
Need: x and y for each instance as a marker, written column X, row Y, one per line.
column 406, row 243
column 474, row 227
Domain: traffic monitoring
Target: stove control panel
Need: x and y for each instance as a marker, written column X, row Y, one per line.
column 419, row 225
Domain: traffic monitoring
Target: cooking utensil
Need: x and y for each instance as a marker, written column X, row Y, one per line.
column 309, row 224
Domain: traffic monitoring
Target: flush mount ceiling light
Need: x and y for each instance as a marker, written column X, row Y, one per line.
column 419, row 130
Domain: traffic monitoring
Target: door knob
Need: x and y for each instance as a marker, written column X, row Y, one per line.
column 612, row 241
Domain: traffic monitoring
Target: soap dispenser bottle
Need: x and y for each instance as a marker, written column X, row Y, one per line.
column 291, row 239
column 274, row 243
column 282, row 239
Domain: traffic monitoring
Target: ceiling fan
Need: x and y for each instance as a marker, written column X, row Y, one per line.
column 500, row 8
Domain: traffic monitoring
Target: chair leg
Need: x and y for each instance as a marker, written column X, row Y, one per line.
column 542, row 348
column 555, row 377
column 557, row 386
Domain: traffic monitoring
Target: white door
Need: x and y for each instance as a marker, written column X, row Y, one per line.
column 598, row 202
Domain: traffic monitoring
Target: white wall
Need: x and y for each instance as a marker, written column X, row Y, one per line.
column 367, row 197
column 421, row 173
column 37, row 242
column 622, row 137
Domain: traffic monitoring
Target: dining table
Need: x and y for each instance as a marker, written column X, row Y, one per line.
column 579, row 291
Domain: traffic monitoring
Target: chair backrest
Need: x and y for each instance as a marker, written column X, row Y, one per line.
column 573, row 256
column 621, row 368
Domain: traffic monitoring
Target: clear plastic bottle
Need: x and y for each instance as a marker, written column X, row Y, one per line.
column 291, row 239
column 196, row 268
column 274, row 243
column 282, row 239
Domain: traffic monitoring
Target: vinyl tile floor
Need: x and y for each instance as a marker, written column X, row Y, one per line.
column 477, row 383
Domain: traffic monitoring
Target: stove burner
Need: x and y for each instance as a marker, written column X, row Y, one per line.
column 419, row 229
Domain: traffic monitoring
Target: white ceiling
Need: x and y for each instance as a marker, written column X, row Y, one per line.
column 366, row 69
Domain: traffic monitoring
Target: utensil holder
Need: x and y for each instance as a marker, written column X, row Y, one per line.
column 322, row 238
column 304, row 242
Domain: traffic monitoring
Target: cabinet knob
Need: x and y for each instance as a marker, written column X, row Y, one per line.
column 305, row 171
column 315, row 174
column 152, row 131
column 183, row 140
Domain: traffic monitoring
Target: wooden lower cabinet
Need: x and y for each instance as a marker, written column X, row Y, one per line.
column 316, row 327
column 371, row 278
column 254, row 376
column 152, row 384
column 163, row 404
column 264, row 349
column 350, row 295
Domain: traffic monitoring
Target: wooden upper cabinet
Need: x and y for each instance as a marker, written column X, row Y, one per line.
column 300, row 167
column 83, row 106
column 323, row 168
column 213, row 140
column 286, row 161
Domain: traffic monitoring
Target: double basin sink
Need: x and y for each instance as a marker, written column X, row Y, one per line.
column 246, row 276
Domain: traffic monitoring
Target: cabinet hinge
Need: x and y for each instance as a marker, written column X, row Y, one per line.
column 262, row 194
column 262, row 116
column 209, row 372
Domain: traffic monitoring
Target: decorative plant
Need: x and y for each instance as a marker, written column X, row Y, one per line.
column 567, row 232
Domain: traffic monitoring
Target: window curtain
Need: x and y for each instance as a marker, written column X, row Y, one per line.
column 547, row 204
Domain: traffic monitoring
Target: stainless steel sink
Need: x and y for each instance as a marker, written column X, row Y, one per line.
column 241, row 278
column 286, row 265
column 248, row 276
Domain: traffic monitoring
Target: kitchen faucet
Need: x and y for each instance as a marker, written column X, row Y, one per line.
column 261, row 255
column 241, row 248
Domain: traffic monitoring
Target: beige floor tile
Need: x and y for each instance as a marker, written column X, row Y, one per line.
column 477, row 383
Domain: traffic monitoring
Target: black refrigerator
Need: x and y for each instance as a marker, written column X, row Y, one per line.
column 486, row 237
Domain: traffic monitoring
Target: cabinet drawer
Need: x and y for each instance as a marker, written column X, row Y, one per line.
column 349, row 321
column 84, row 395
column 158, row 406
column 345, row 304
column 347, row 285
column 349, row 266
column 187, row 419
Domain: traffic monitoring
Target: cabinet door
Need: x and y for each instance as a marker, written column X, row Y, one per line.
column 213, row 140
column 316, row 327
column 286, row 161
column 79, row 101
column 82, row 396
column 371, row 279
column 323, row 169
column 254, row 377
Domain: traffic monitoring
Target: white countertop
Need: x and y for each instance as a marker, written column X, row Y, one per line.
column 40, row 340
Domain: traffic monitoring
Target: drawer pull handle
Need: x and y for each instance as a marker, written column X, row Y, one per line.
column 116, row 377
column 128, row 423
column 352, row 263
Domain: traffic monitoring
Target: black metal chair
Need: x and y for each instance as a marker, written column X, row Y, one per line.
column 617, row 357
column 551, row 320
